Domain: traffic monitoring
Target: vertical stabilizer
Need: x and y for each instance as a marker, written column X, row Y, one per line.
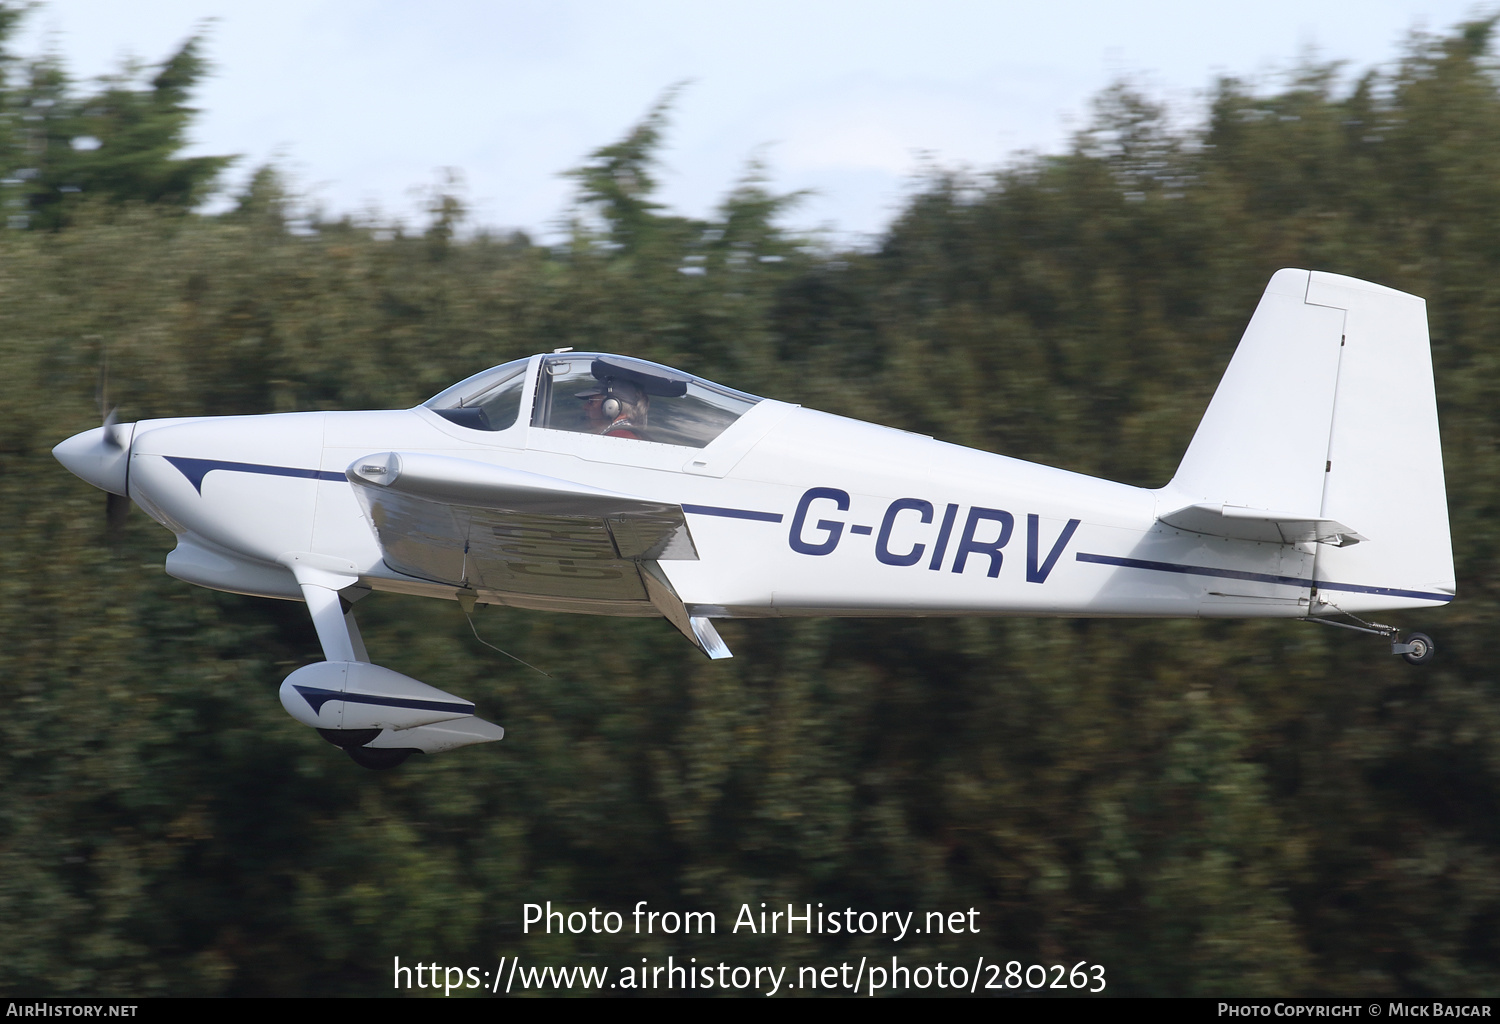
column 1264, row 440
column 1327, row 412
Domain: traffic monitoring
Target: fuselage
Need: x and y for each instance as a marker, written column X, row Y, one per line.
column 792, row 511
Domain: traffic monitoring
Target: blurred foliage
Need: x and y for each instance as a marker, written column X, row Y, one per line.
column 1202, row 807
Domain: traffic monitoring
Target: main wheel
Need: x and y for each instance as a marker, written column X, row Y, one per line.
column 380, row 758
column 1422, row 651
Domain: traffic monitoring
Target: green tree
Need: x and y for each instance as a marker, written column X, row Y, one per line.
column 120, row 144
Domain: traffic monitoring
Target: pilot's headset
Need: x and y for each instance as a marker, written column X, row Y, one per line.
column 620, row 397
column 611, row 407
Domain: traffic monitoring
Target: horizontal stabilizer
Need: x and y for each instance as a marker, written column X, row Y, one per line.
column 1240, row 523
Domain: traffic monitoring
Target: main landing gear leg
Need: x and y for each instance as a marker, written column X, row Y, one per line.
column 332, row 615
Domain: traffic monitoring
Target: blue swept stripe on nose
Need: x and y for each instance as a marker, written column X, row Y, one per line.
column 317, row 697
column 196, row 469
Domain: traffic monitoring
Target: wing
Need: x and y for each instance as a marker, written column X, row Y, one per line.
column 476, row 526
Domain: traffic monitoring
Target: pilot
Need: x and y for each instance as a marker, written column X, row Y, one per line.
column 615, row 408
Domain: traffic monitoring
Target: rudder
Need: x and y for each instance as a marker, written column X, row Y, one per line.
column 1385, row 459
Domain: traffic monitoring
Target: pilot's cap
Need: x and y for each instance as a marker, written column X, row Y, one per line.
column 613, row 387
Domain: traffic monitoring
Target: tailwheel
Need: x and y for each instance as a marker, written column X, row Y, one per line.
column 1417, row 650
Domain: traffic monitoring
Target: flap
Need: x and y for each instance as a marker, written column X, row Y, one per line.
column 1240, row 523
column 697, row 628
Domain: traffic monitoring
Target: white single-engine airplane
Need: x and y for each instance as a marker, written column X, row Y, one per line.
column 586, row 482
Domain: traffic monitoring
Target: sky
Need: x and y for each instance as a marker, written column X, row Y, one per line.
column 367, row 104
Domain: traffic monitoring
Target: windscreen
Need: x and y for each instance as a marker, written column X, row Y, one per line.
column 486, row 401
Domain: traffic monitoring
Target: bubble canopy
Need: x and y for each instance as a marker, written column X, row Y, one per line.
column 620, row 397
